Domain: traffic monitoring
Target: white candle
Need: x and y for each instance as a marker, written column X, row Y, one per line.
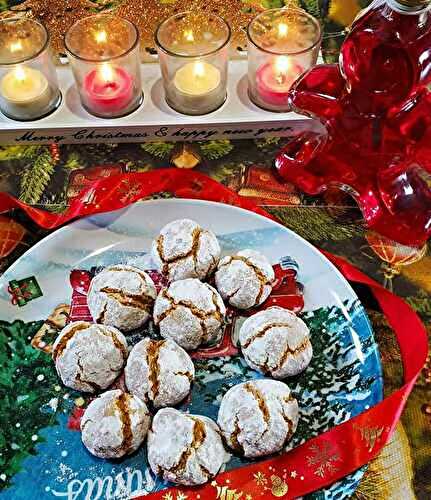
column 197, row 78
column 24, row 90
column 196, row 87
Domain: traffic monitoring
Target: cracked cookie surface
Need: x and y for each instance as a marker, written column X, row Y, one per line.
column 185, row 449
column 115, row 424
column 190, row 312
column 183, row 250
column 258, row 417
column 276, row 342
column 89, row 357
column 245, row 279
column 121, row 296
column 159, row 371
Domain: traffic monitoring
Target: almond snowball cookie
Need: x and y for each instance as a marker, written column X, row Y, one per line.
column 159, row 371
column 121, row 296
column 245, row 279
column 115, row 424
column 276, row 342
column 185, row 449
column 184, row 249
column 191, row 313
column 89, row 357
column 258, row 417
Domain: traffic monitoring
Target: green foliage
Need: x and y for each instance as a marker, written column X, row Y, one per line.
column 162, row 195
column 212, row 150
column 421, row 303
column 311, row 6
column 3, row 5
column 8, row 153
column 73, row 161
column 267, row 143
column 272, row 4
column 223, row 172
column 28, row 382
column 36, row 177
column 315, row 223
column 159, row 149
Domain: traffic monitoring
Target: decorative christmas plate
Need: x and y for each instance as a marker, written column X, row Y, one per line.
column 41, row 449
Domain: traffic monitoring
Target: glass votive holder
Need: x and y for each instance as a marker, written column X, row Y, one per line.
column 282, row 45
column 193, row 55
column 103, row 51
column 28, row 79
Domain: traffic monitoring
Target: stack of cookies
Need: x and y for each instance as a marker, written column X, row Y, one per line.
column 256, row 418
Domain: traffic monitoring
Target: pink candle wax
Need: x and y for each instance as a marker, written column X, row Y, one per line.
column 108, row 89
column 273, row 81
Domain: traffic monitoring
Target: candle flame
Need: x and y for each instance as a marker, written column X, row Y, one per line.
column 106, row 72
column 100, row 36
column 19, row 74
column 188, row 35
column 282, row 30
column 15, row 46
column 282, row 66
column 199, row 69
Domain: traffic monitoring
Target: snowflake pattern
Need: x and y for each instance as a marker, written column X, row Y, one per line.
column 171, row 496
column 323, row 459
column 260, row 478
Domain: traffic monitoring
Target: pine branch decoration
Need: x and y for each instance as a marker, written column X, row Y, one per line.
column 159, row 149
column 312, row 7
column 213, row 150
column 314, row 223
column 36, row 177
column 18, row 152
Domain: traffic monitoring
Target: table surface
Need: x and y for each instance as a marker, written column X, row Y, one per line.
column 50, row 177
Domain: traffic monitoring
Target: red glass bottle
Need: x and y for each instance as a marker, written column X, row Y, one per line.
column 376, row 110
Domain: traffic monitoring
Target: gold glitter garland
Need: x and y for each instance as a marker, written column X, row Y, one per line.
column 59, row 15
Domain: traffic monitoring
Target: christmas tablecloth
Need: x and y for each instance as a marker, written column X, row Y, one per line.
column 52, row 177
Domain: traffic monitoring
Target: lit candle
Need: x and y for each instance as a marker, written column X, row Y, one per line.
column 197, row 78
column 193, row 56
column 108, row 89
column 24, row 89
column 28, row 82
column 282, row 45
column 103, row 51
column 274, row 80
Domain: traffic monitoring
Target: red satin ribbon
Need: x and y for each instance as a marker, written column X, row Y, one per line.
column 321, row 460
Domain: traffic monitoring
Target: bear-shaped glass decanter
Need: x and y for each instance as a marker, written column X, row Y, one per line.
column 375, row 108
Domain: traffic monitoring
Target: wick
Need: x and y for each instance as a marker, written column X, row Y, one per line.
column 280, row 78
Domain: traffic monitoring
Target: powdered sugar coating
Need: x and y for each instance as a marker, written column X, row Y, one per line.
column 184, row 249
column 121, row 296
column 258, row 417
column 89, row 357
column 185, row 449
column 115, row 424
column 276, row 342
column 245, row 279
column 190, row 312
column 159, row 371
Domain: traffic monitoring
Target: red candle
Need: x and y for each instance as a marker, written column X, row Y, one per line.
column 108, row 88
column 274, row 80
